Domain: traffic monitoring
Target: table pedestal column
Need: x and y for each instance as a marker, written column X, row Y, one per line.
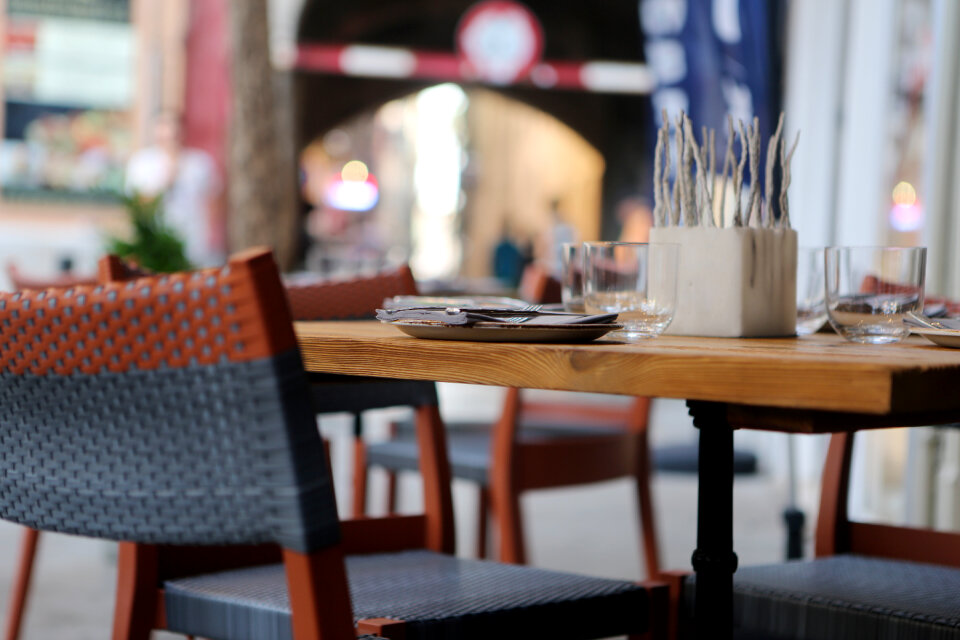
column 714, row 559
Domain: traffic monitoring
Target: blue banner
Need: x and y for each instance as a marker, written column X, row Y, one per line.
column 713, row 57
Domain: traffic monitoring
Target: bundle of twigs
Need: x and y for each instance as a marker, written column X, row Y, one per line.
column 697, row 199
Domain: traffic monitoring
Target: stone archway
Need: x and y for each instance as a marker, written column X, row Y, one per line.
column 505, row 190
column 615, row 124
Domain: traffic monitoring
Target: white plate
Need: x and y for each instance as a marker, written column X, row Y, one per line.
column 942, row 337
column 504, row 332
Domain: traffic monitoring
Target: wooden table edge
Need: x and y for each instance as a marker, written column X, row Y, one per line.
column 878, row 390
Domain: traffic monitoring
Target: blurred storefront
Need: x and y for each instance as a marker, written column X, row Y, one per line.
column 68, row 100
column 83, row 83
column 559, row 122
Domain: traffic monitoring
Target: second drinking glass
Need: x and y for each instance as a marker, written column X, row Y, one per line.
column 637, row 281
column 870, row 290
column 571, row 292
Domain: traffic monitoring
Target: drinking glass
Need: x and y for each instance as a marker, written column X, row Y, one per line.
column 571, row 291
column 637, row 281
column 869, row 290
column 811, row 305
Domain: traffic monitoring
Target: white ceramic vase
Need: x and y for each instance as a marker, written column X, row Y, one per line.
column 734, row 282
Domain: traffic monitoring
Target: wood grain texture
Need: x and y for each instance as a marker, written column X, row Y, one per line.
column 819, row 372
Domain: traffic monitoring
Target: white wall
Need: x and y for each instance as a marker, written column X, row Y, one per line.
column 942, row 231
column 868, row 88
column 814, row 66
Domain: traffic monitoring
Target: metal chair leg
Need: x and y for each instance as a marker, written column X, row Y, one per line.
column 392, row 492
column 645, row 510
column 483, row 520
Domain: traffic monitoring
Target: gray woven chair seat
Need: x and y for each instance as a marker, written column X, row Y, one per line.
column 438, row 596
column 468, row 445
column 846, row 597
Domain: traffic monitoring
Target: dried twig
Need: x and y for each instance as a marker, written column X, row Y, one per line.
column 678, row 180
column 688, row 194
column 738, row 179
column 754, row 144
column 658, row 180
column 727, row 166
column 699, row 153
column 712, row 176
column 667, row 212
column 785, row 166
column 702, row 198
column 694, row 192
column 772, row 157
column 704, row 149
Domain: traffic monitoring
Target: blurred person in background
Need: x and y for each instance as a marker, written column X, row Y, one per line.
column 557, row 234
column 635, row 217
column 188, row 181
column 508, row 259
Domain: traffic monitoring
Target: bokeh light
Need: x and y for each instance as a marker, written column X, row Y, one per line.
column 354, row 171
column 904, row 195
column 355, row 189
column 906, row 215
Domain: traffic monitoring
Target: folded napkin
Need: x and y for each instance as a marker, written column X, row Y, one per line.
column 420, row 302
column 459, row 316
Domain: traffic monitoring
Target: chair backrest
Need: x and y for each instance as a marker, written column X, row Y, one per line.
column 836, row 533
column 353, row 299
column 538, row 286
column 168, row 409
column 111, row 268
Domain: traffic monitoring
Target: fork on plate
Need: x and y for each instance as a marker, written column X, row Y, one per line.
column 532, row 309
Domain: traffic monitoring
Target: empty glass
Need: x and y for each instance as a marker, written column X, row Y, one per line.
column 869, row 290
column 637, row 281
column 811, row 305
column 571, row 291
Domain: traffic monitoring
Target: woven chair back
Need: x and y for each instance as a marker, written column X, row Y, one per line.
column 353, row 299
column 167, row 409
column 111, row 268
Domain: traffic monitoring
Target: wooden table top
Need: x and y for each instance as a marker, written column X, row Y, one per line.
column 820, row 372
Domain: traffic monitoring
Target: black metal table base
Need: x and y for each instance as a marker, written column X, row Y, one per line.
column 714, row 559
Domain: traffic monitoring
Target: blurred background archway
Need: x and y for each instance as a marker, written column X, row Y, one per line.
column 533, row 155
column 440, row 178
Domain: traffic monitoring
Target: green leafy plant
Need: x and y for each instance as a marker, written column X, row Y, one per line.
column 153, row 245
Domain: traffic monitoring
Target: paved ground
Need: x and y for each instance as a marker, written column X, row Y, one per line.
column 589, row 530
